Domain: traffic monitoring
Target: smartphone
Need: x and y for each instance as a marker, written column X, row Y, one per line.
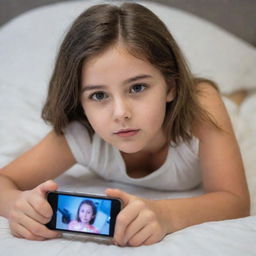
column 83, row 213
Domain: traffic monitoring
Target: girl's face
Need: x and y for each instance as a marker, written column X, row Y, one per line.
column 85, row 213
column 124, row 99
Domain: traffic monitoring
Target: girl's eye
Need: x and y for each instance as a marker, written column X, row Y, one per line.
column 98, row 96
column 138, row 88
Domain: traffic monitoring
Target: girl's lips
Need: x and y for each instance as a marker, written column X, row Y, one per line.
column 126, row 133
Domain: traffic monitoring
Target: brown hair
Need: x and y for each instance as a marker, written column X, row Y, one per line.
column 144, row 36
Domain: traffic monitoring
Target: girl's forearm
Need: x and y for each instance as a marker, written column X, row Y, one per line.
column 214, row 206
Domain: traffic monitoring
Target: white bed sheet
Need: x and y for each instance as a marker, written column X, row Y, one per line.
column 23, row 79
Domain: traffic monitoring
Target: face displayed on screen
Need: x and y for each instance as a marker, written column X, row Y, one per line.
column 83, row 214
column 86, row 213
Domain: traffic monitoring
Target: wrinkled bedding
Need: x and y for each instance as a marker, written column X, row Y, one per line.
column 27, row 50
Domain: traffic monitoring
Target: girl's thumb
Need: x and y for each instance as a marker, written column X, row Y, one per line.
column 47, row 186
column 117, row 193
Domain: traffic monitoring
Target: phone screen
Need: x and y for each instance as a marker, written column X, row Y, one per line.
column 82, row 213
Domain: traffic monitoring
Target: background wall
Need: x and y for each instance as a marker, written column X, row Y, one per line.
column 236, row 16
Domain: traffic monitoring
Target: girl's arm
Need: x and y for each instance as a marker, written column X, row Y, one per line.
column 46, row 160
column 23, row 186
column 222, row 171
column 147, row 221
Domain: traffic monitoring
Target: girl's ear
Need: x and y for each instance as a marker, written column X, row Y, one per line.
column 171, row 94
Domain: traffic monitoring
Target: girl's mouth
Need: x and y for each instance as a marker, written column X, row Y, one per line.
column 127, row 132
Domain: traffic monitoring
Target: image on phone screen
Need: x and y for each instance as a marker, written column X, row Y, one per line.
column 83, row 214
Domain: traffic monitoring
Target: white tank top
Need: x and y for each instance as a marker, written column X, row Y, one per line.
column 180, row 171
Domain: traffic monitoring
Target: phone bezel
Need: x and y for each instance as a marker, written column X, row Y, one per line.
column 116, row 206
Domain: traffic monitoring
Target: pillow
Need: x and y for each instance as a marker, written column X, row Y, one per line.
column 211, row 51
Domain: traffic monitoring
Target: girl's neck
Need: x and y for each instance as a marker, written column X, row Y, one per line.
column 141, row 164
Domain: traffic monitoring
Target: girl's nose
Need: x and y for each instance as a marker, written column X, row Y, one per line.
column 122, row 109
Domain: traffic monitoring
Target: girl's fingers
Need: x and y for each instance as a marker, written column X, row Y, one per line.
column 152, row 239
column 28, row 210
column 41, row 208
column 37, row 229
column 31, row 211
column 21, row 232
column 40, row 230
column 39, row 203
column 137, row 225
column 141, row 237
column 125, row 218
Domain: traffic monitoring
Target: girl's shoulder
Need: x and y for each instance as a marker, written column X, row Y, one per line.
column 211, row 101
column 79, row 142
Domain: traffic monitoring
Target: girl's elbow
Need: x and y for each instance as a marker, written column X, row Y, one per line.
column 241, row 204
column 245, row 206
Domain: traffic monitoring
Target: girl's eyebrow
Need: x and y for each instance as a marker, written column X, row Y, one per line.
column 92, row 87
column 133, row 79
column 127, row 81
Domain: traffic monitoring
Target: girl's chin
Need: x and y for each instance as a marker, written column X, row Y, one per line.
column 128, row 147
column 129, row 150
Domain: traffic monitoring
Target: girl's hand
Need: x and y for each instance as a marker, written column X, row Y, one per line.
column 30, row 212
column 139, row 222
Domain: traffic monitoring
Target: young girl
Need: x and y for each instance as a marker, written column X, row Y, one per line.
column 123, row 103
column 85, row 217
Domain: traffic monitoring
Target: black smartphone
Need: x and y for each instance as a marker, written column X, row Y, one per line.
column 83, row 213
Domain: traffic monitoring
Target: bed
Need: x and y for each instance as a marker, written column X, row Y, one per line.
column 28, row 47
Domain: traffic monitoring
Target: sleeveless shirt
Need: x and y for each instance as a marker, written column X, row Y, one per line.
column 180, row 171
